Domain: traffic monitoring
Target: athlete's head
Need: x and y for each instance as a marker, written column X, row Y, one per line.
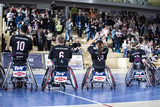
column 99, row 46
column 24, row 28
column 60, row 39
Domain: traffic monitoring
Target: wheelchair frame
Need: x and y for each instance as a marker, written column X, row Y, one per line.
column 2, row 75
column 48, row 79
column 149, row 77
column 88, row 78
column 29, row 79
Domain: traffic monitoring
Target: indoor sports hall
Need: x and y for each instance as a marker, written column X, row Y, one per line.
column 104, row 39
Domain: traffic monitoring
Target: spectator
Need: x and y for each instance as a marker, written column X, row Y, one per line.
column 48, row 36
column 69, row 26
column 53, row 7
column 74, row 12
column 77, row 47
column 10, row 16
column 125, row 46
column 41, row 39
column 58, row 28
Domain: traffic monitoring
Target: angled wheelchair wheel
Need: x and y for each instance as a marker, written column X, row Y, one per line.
column 2, row 75
column 111, row 78
column 72, row 79
column 157, row 75
column 33, row 77
column 150, row 77
column 86, row 76
column 46, row 78
column 128, row 78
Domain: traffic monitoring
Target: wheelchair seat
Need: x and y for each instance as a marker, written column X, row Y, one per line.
column 19, row 59
column 61, row 64
column 99, row 65
column 138, row 66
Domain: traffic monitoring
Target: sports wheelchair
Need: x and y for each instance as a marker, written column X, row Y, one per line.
column 97, row 75
column 59, row 75
column 155, row 71
column 139, row 72
column 2, row 75
column 21, row 73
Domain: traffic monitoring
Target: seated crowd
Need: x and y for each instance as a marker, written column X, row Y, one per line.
column 123, row 29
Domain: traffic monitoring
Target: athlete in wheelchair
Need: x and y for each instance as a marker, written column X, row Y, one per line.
column 98, row 73
column 59, row 74
column 21, row 73
column 140, row 69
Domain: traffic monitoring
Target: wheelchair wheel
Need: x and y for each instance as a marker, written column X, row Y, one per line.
column 46, row 78
column 128, row 78
column 157, row 75
column 86, row 76
column 150, row 77
column 111, row 79
column 2, row 75
column 32, row 76
column 72, row 79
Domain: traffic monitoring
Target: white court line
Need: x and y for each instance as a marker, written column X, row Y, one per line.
column 0, row 94
column 82, row 98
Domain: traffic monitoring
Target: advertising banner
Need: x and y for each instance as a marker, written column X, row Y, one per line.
column 35, row 60
column 75, row 63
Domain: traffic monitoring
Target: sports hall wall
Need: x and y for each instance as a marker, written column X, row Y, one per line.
column 107, row 6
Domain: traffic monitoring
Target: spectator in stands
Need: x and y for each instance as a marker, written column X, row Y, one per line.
column 56, row 19
column 77, row 47
column 48, row 36
column 91, row 32
column 69, row 26
column 79, row 29
column 92, row 12
column 58, row 28
column 74, row 12
column 27, row 20
column 53, row 7
column 41, row 39
column 117, row 40
column 142, row 29
column 148, row 47
column 125, row 47
column 10, row 17
column 158, row 30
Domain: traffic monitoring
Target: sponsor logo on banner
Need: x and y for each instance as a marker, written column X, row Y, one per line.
column 139, row 74
column 99, row 76
column 60, row 76
column 19, row 71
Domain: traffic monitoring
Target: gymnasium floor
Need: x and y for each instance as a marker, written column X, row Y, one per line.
column 122, row 96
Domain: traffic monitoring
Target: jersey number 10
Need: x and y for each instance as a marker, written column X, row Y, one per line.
column 20, row 45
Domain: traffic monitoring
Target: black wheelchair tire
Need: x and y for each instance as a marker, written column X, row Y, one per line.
column 72, row 79
column 86, row 77
column 46, row 78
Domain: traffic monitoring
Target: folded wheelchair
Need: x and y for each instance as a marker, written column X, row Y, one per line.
column 98, row 74
column 140, row 73
column 2, row 75
column 19, row 73
column 59, row 75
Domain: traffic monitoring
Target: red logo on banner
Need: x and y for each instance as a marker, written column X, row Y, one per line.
column 60, row 79
column 19, row 73
column 99, row 78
